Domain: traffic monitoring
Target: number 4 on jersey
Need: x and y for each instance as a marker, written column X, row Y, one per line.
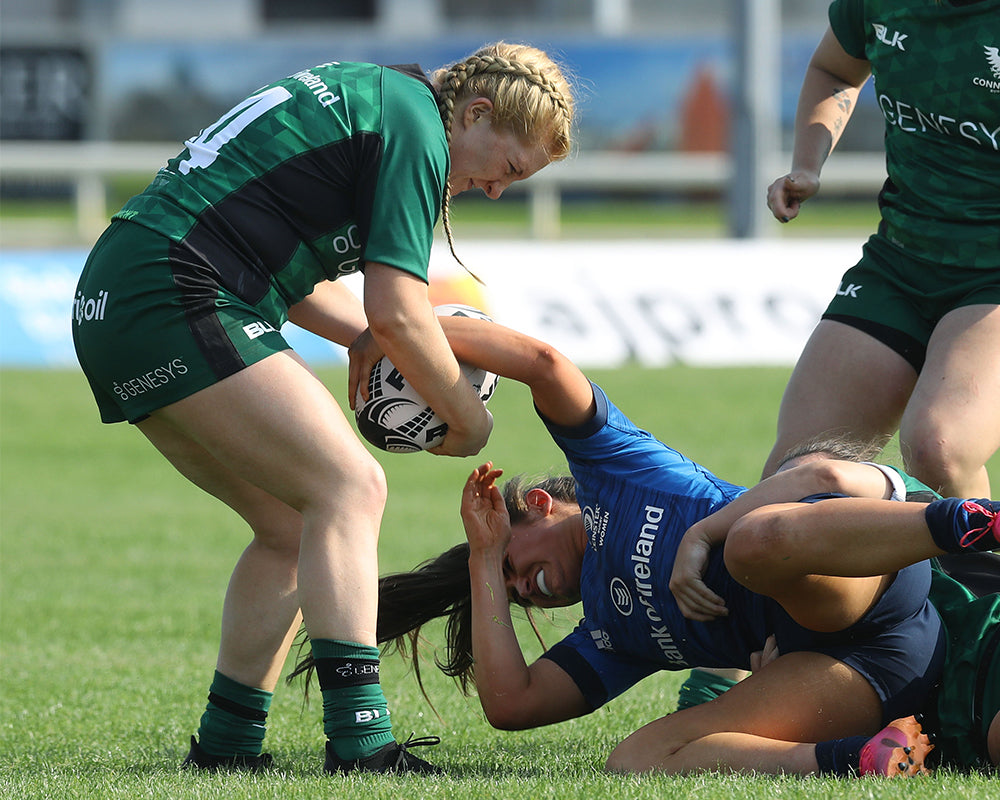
column 204, row 148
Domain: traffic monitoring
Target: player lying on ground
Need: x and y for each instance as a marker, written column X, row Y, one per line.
column 858, row 651
column 963, row 711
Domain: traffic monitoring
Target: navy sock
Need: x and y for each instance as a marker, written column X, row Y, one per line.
column 840, row 756
column 959, row 525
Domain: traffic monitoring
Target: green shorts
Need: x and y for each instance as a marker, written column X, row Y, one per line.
column 899, row 298
column 152, row 323
column 969, row 695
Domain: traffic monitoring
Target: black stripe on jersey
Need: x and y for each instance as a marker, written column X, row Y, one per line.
column 199, row 288
column 253, row 232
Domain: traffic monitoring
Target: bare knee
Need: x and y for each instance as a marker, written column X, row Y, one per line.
column 935, row 460
column 620, row 761
column 370, row 482
column 757, row 543
column 357, row 491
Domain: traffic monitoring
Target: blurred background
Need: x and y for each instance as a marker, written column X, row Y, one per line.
column 684, row 116
column 656, row 79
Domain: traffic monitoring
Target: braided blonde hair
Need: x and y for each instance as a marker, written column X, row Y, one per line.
column 530, row 94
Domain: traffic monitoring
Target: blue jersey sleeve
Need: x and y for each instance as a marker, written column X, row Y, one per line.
column 610, row 444
column 600, row 674
column 611, row 440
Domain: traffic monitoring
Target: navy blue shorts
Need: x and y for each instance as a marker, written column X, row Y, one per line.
column 898, row 646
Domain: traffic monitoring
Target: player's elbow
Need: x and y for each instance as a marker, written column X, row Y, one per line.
column 547, row 368
column 545, row 360
column 387, row 321
column 830, row 475
column 506, row 716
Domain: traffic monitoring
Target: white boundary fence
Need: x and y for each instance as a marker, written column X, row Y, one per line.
column 89, row 166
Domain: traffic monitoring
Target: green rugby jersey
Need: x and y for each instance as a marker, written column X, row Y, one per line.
column 304, row 181
column 969, row 694
column 936, row 69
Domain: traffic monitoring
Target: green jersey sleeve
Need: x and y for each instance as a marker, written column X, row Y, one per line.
column 411, row 177
column 847, row 19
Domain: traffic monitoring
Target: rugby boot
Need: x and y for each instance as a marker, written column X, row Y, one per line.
column 896, row 751
column 199, row 759
column 394, row 757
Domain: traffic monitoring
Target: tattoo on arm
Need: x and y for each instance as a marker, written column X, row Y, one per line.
column 844, row 104
column 843, row 101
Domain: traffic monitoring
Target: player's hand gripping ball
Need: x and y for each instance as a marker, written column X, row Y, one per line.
column 396, row 418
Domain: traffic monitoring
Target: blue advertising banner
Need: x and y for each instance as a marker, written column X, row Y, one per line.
column 36, row 303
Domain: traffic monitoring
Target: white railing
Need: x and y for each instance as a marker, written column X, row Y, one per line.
column 89, row 165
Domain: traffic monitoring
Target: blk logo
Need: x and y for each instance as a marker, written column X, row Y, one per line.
column 893, row 38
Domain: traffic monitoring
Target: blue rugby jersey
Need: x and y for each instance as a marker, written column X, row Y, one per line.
column 638, row 497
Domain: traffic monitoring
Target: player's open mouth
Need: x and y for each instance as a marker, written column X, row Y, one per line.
column 540, row 582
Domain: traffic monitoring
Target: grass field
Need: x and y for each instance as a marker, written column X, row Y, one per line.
column 114, row 568
column 50, row 222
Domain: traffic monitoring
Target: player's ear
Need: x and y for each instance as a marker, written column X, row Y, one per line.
column 476, row 109
column 539, row 501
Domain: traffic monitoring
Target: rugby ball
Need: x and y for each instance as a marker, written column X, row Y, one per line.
column 395, row 418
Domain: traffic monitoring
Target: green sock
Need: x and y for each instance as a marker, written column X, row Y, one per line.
column 355, row 712
column 235, row 718
column 700, row 687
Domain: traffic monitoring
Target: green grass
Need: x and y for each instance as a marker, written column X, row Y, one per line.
column 637, row 216
column 114, row 568
column 47, row 222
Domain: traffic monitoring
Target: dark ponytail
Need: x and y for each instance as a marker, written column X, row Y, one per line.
column 407, row 601
column 440, row 587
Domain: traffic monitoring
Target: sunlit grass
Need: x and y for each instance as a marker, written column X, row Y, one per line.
column 114, row 567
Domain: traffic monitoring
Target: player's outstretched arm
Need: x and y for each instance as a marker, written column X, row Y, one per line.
column 559, row 389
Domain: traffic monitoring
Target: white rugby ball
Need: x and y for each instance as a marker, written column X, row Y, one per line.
column 395, row 418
